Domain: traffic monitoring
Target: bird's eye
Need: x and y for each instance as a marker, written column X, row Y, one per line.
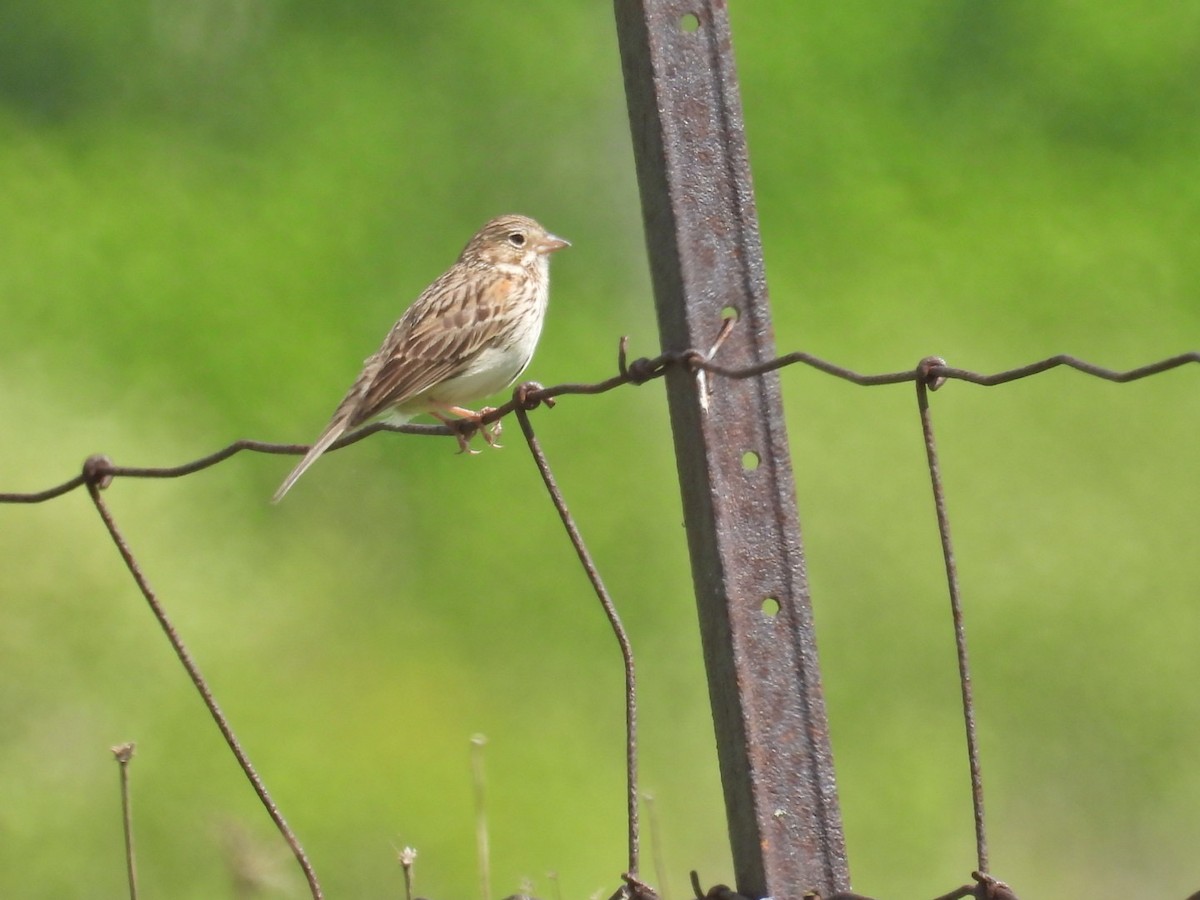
column 516, row 238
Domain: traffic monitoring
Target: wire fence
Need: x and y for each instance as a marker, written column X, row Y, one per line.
column 99, row 473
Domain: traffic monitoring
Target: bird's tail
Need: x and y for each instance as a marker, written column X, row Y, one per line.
column 335, row 430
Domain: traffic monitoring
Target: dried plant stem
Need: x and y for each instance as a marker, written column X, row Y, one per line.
column 656, row 848
column 123, row 754
column 482, row 850
column 408, row 857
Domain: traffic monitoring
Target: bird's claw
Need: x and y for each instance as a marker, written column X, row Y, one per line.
column 492, row 431
column 466, row 427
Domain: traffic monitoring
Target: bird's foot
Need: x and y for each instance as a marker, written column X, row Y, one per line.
column 492, row 431
column 463, row 436
column 468, row 423
column 463, row 427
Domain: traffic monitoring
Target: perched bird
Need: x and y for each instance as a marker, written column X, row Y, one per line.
column 470, row 334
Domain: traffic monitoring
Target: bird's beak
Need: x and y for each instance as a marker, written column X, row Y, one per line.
column 551, row 243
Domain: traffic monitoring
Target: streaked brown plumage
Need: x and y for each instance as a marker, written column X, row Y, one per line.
column 470, row 334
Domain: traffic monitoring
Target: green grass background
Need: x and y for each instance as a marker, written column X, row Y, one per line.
column 211, row 212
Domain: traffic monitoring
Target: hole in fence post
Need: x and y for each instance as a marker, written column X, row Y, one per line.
column 729, row 312
column 750, row 460
column 689, row 22
column 770, row 607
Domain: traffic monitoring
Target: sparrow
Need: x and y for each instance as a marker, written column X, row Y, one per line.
column 470, row 334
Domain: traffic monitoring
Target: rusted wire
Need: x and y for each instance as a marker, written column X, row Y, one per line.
column 96, row 477
column 985, row 888
column 639, row 371
column 930, row 374
column 929, row 366
column 523, row 397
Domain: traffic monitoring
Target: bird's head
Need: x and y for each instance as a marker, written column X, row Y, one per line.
column 513, row 241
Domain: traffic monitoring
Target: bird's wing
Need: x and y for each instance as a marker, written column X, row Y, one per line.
column 434, row 341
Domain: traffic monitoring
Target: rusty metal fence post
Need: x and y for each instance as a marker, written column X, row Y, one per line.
column 732, row 451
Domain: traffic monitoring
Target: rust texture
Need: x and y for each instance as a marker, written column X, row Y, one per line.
column 732, row 450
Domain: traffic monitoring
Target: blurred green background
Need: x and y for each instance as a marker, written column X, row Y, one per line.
column 210, row 212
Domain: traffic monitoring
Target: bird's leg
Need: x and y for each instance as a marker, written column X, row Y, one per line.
column 490, row 432
column 463, row 427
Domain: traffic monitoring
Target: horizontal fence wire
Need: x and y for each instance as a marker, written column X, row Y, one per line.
column 928, row 375
column 933, row 370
